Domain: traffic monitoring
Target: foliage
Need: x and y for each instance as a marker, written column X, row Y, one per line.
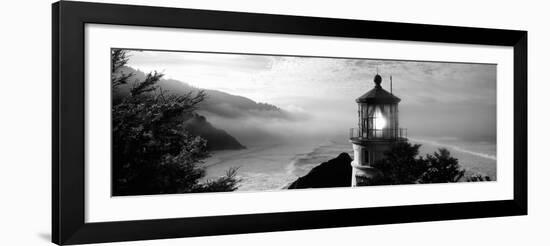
column 227, row 183
column 478, row 178
column 441, row 168
column 119, row 58
column 402, row 165
column 152, row 152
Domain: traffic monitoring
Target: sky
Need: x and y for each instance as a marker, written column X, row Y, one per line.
column 438, row 99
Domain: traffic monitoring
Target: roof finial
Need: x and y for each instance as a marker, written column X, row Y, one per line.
column 377, row 77
column 377, row 80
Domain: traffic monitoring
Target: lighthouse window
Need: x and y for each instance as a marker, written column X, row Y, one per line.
column 365, row 156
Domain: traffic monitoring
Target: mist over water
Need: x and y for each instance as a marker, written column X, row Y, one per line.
column 317, row 122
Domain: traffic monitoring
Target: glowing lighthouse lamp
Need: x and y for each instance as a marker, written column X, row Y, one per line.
column 378, row 129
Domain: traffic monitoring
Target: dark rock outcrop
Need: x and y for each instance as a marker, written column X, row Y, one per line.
column 333, row 173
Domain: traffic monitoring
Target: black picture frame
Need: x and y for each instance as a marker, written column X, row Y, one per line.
column 68, row 107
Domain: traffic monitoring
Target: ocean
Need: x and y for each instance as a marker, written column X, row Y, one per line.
column 273, row 166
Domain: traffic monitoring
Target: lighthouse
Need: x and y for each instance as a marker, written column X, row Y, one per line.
column 378, row 129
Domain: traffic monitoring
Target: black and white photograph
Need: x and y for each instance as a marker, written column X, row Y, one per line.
column 200, row 121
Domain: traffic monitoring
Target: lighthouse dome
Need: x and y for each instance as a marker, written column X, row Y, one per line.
column 378, row 95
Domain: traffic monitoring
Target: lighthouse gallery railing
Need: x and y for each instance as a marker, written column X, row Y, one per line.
column 378, row 134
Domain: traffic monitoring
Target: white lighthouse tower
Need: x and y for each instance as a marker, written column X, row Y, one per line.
column 378, row 129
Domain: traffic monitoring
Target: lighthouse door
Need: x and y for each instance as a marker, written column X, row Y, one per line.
column 365, row 156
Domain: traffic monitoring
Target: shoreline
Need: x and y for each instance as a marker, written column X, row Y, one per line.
column 275, row 166
column 219, row 156
column 455, row 148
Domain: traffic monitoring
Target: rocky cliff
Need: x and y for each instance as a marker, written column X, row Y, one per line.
column 216, row 139
column 333, row 173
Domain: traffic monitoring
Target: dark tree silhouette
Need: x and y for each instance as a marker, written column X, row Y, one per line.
column 441, row 168
column 402, row 165
column 119, row 58
column 478, row 178
column 152, row 152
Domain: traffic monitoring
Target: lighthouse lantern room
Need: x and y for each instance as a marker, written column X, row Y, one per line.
column 378, row 129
